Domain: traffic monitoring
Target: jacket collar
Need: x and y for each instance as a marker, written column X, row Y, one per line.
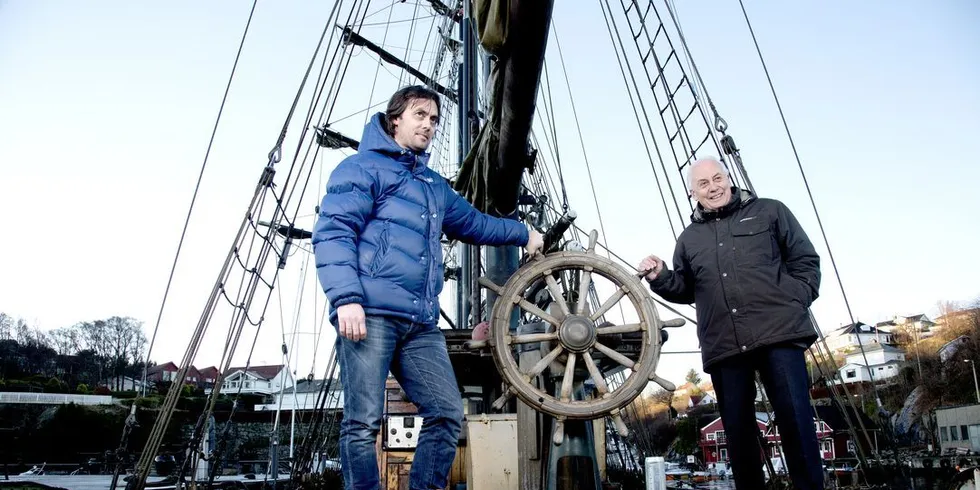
column 740, row 197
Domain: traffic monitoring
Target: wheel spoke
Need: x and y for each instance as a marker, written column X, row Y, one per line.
column 556, row 294
column 613, row 329
column 616, row 356
column 499, row 403
column 568, row 380
column 559, row 436
column 545, row 361
column 620, row 423
column 538, row 312
column 531, row 338
column 600, row 382
column 583, row 292
column 618, row 295
column 667, row 385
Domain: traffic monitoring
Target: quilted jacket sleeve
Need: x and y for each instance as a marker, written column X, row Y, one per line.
column 344, row 210
column 465, row 223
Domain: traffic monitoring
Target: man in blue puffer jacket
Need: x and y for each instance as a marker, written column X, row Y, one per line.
column 379, row 260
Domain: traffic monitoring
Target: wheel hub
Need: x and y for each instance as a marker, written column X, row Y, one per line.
column 577, row 333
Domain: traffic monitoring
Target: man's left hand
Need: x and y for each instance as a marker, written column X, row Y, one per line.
column 535, row 242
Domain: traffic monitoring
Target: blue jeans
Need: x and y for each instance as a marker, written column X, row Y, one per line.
column 416, row 355
column 784, row 376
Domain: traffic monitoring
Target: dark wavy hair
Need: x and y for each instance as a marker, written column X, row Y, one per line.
column 400, row 100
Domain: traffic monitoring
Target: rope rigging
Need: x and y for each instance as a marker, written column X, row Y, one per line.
column 882, row 413
column 542, row 185
column 197, row 188
column 253, row 268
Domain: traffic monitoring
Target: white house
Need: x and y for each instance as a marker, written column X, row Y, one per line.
column 850, row 337
column 879, row 361
column 262, row 380
column 305, row 397
column 918, row 326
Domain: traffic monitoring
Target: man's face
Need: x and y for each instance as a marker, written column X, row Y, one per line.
column 416, row 125
column 711, row 186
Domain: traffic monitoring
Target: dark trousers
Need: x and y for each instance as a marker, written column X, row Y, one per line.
column 784, row 376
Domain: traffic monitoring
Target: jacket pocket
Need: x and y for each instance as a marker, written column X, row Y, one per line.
column 753, row 242
column 801, row 290
column 383, row 246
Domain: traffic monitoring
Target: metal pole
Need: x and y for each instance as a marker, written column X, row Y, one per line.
column 465, row 252
column 975, row 385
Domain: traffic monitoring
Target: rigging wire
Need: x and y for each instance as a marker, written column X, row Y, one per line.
column 377, row 69
column 241, row 314
column 806, row 182
column 550, row 114
column 874, row 387
column 411, row 35
column 197, row 187
column 611, row 26
column 585, row 155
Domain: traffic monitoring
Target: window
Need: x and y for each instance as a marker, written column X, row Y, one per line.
column 943, row 434
column 828, row 446
column 851, row 373
column 720, row 436
column 724, row 454
column 711, row 436
column 952, row 433
column 964, row 434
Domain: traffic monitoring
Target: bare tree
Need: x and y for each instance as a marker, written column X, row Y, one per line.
column 65, row 341
column 6, row 326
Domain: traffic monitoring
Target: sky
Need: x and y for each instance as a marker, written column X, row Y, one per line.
column 106, row 111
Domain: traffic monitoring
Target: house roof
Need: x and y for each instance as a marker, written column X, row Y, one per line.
column 308, row 386
column 761, row 417
column 170, row 366
column 264, row 372
column 920, row 317
column 209, row 372
column 878, row 346
column 858, row 327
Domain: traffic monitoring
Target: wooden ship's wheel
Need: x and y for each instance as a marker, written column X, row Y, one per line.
column 573, row 336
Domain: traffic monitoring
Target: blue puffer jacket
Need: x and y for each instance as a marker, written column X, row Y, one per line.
column 377, row 238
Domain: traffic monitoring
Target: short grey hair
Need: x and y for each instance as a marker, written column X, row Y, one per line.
column 702, row 161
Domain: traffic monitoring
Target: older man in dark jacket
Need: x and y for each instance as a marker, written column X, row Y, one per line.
column 752, row 273
column 379, row 260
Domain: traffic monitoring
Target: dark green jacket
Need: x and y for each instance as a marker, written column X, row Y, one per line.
column 752, row 274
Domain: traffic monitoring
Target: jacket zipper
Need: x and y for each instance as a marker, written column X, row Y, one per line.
column 428, row 231
column 735, row 282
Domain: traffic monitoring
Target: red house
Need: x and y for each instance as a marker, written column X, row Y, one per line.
column 167, row 372
column 714, row 444
column 833, row 435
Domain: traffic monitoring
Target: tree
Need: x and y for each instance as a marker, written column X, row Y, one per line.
column 65, row 341
column 662, row 396
column 695, row 379
column 6, row 326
